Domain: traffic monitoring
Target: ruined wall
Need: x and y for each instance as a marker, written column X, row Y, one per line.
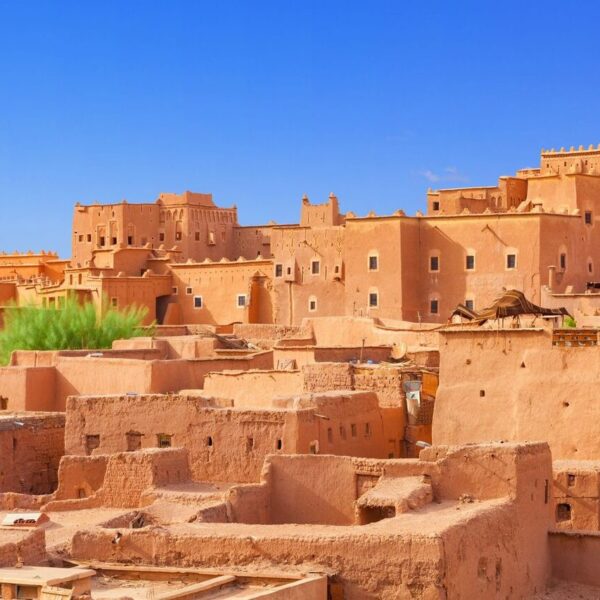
column 29, row 547
column 30, row 450
column 80, row 477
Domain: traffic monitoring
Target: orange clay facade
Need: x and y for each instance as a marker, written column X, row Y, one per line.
column 189, row 261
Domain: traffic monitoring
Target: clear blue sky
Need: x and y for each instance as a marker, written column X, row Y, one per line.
column 260, row 102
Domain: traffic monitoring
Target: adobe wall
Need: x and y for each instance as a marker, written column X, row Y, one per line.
column 575, row 556
column 483, row 549
column 28, row 547
column 28, row 388
column 31, row 447
column 514, row 385
column 80, row 477
column 252, row 389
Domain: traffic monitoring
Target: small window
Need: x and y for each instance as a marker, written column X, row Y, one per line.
column 113, row 241
column 353, row 430
column 312, row 304
column 223, row 236
column 241, row 300
column 102, row 240
column 134, row 441
column 511, row 261
column 433, row 307
column 161, row 237
column 174, row 291
column 588, row 217
column 279, row 444
column 367, row 429
column 278, row 270
column 590, row 267
column 211, row 238
column 314, row 447
column 373, row 299
column 130, row 240
column 178, row 236
column 163, row 440
column 470, row 264
column 563, row 261
column 563, row 512
column 114, row 302
column 249, row 444
column 469, row 304
column 330, row 435
column 89, row 237
column 189, row 291
column 289, row 270
column 209, row 441
column 3, row 403
column 197, row 301
column 315, row 267
column 373, row 263
column 342, row 432
column 80, row 238
column 434, row 263
column 436, row 205
column 197, row 236
column 91, row 443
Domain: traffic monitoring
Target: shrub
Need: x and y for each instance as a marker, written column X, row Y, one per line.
column 569, row 322
column 71, row 326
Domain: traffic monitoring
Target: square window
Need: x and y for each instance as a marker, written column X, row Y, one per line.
column 278, row 270
column 373, row 263
column 373, row 299
column 161, row 237
column 470, row 264
column 436, row 205
column 434, row 263
column 315, row 267
column 89, row 237
column 130, row 240
column 189, row 291
column 241, row 300
column 175, row 291
column 469, row 304
column 588, row 217
column 312, row 305
column 511, row 261
column 197, row 301
column 163, row 440
column 433, row 307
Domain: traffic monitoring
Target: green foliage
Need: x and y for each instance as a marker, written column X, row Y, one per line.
column 71, row 326
column 569, row 322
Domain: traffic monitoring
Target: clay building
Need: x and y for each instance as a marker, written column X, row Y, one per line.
column 189, row 261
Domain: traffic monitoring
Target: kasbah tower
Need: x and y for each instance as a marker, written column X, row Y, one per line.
column 352, row 407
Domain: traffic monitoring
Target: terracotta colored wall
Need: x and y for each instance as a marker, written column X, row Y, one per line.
column 28, row 388
column 30, row 450
column 532, row 390
column 575, row 556
column 80, row 476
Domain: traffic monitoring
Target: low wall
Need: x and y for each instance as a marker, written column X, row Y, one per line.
column 575, row 556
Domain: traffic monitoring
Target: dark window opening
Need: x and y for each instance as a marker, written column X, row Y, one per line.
column 279, row 444
column 113, row 241
column 163, row 440
column 470, row 262
column 469, row 304
column 563, row 261
column 588, row 217
column 209, row 441
column 436, row 205
column 433, row 307
column 373, row 263
column 102, row 240
column 249, row 444
column 197, row 301
column 563, row 512
column 134, row 441
column 481, row 393
column 278, row 270
column 3, row 403
column 91, row 443
column 511, row 261
column 161, row 237
column 373, row 299
column 353, row 430
column 434, row 263
column 570, row 479
column 330, row 435
column 197, row 236
column 315, row 267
